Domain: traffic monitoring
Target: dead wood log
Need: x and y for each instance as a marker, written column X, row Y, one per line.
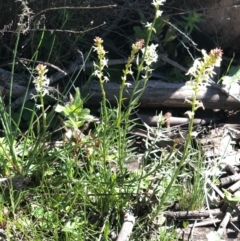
column 161, row 94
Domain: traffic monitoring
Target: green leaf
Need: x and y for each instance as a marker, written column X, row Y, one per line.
column 185, row 224
column 234, row 76
column 70, row 227
column 140, row 33
column 106, row 229
column 160, row 23
column 170, row 36
column 231, row 198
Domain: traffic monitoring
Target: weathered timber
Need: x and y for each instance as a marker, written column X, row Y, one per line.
column 162, row 94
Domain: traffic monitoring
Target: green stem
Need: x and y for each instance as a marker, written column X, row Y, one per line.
column 105, row 118
column 183, row 158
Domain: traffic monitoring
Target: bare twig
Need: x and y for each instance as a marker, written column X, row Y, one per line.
column 234, row 187
column 72, row 8
column 229, row 179
column 193, row 214
column 127, row 227
column 210, row 221
column 192, row 230
column 45, row 63
column 153, row 120
column 222, row 227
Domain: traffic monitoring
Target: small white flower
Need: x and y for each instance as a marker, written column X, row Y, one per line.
column 106, row 79
column 46, row 81
column 97, row 73
column 159, row 13
column 148, row 25
column 41, row 82
column 194, row 134
column 94, row 64
column 38, row 106
column 190, row 114
column 192, row 71
column 128, row 84
column 151, row 54
column 158, row 2
column 144, row 76
column 130, row 72
column 105, row 62
column 45, row 92
column 124, row 78
column 95, row 48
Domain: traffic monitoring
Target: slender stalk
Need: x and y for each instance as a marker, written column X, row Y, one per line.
column 201, row 71
column 176, row 173
column 99, row 68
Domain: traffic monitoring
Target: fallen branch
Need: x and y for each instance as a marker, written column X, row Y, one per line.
column 193, row 214
column 161, row 94
column 229, row 179
column 222, row 227
column 154, row 120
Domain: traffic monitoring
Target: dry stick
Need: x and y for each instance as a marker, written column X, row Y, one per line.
column 71, row 8
column 42, row 62
column 222, row 227
column 192, row 230
column 210, row 221
column 193, row 214
column 229, row 179
column 234, row 187
column 227, row 217
column 174, row 63
column 154, row 120
column 215, row 188
column 234, row 226
column 127, row 227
